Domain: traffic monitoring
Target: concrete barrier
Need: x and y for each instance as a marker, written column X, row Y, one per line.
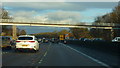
column 108, row 47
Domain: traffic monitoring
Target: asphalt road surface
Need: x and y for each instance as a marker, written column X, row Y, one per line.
column 50, row 54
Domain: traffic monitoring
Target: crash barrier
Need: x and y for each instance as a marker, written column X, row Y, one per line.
column 104, row 46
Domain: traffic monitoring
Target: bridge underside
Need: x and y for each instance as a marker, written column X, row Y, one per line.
column 111, row 27
column 58, row 25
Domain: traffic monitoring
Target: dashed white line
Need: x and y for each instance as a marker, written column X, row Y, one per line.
column 44, row 55
column 4, row 52
column 87, row 56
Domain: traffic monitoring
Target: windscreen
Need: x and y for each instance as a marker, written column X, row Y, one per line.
column 25, row 38
column 118, row 39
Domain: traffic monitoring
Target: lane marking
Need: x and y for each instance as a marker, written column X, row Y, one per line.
column 41, row 59
column 4, row 52
column 87, row 56
column 44, row 54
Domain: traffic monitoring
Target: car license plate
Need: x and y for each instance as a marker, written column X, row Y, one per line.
column 24, row 45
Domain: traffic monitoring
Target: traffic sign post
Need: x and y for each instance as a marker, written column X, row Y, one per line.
column 61, row 38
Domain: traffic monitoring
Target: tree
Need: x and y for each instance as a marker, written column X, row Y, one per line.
column 114, row 18
column 80, row 33
column 22, row 32
column 4, row 16
column 3, row 34
column 101, row 33
column 63, row 32
column 54, row 34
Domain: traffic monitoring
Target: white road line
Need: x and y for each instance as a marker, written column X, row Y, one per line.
column 4, row 52
column 88, row 56
column 44, row 55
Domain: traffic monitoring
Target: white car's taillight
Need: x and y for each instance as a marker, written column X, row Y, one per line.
column 32, row 41
column 18, row 41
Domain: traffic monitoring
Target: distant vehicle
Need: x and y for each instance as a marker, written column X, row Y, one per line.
column 116, row 39
column 39, row 40
column 71, row 38
column 98, row 39
column 75, row 39
column 12, row 42
column 5, row 42
column 86, row 39
column 65, row 41
column 45, row 40
column 55, row 40
column 52, row 40
column 82, row 39
column 27, row 42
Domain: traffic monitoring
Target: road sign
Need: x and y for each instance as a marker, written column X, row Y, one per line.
column 61, row 37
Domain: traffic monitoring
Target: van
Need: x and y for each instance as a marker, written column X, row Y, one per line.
column 116, row 39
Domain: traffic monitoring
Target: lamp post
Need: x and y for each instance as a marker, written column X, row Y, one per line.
column 112, row 31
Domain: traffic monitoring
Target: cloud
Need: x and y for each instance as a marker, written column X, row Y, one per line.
column 43, row 6
column 33, row 0
column 23, row 15
column 54, row 12
column 51, row 17
column 66, row 6
column 64, row 16
column 60, row 0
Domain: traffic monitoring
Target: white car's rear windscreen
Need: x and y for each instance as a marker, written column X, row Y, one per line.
column 25, row 38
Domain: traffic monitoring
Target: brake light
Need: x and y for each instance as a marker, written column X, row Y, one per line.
column 32, row 41
column 18, row 41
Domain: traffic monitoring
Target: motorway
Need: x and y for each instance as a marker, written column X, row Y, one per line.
column 50, row 54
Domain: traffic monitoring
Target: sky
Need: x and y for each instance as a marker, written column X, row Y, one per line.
column 60, row 0
column 56, row 12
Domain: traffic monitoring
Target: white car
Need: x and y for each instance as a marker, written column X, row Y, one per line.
column 116, row 39
column 27, row 42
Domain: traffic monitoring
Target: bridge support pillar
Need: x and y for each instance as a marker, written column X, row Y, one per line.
column 112, row 34
column 14, row 32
